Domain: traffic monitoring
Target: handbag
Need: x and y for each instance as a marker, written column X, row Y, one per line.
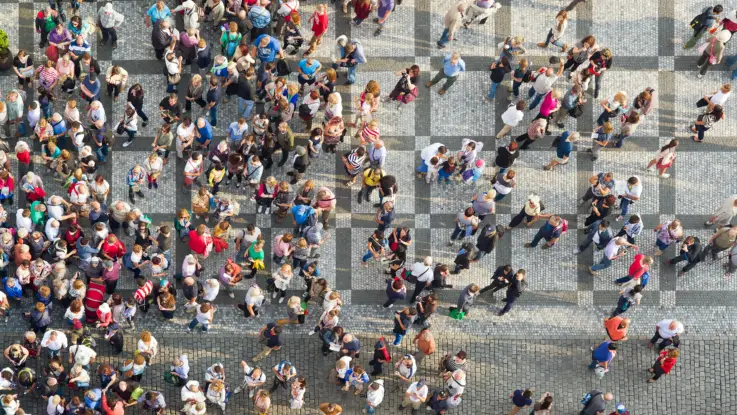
column 576, row 111
column 170, row 378
column 120, row 128
column 174, row 79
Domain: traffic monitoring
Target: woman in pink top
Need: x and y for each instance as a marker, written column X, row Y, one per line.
column 325, row 200
column 282, row 247
column 65, row 67
column 550, row 104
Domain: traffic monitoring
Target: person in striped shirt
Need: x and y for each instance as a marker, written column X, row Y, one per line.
column 353, row 163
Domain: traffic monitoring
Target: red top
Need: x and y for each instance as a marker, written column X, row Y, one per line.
column 636, row 270
column 197, row 243
column 319, row 24
column 115, row 250
column 362, row 9
column 666, row 363
column 613, row 330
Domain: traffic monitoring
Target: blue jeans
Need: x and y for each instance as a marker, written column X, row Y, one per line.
column 557, row 43
column 22, row 128
column 623, row 280
column 536, row 100
column 625, row 205
column 398, row 339
column 244, row 107
column 538, row 236
column 54, row 353
column 101, row 153
column 492, row 91
column 499, row 196
column 214, row 115
column 370, row 410
column 444, row 38
column 457, row 233
column 170, row 87
column 700, row 130
column 515, row 88
column 367, row 256
column 661, row 245
column 604, row 263
column 730, row 62
column 194, row 323
column 351, row 75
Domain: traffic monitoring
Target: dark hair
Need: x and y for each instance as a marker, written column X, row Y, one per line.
column 547, row 402
column 521, row 104
column 604, row 223
column 718, row 9
column 610, row 200
column 362, row 151
column 527, row 393
column 612, row 346
column 637, row 288
column 633, row 180
column 508, row 268
column 634, row 219
column 672, row 143
column 718, row 111
column 461, row 354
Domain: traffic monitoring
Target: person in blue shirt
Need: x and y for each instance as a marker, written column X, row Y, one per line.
column 203, row 133
column 266, row 49
column 551, row 231
column 351, row 55
column 308, row 69
column 564, row 149
column 157, row 13
column 605, row 134
column 84, row 250
column 260, row 18
column 603, row 354
column 521, row 399
column 236, row 131
column 453, row 66
column 91, row 88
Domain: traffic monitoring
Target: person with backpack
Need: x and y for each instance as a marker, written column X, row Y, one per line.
column 303, row 216
column 628, row 297
column 553, row 229
column 703, row 23
column 594, row 402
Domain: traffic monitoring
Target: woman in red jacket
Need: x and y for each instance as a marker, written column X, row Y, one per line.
column 362, row 8
column 664, row 364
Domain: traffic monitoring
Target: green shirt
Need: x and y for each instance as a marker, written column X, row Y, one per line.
column 37, row 216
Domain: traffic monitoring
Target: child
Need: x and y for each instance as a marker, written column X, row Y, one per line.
column 183, row 224
column 34, row 114
column 315, row 143
column 301, row 253
column 279, row 282
column 432, row 170
column 473, row 175
column 129, row 313
column 446, row 170
column 46, row 99
column 468, row 153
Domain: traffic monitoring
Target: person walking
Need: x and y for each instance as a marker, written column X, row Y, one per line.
column 669, row 331
column 520, row 399
column 543, row 84
column 691, row 251
column 667, row 233
column 415, row 396
column 550, row 231
column 664, row 364
column 598, row 235
column 594, row 403
column 466, row 299
column 425, row 342
column 452, row 22
column 511, row 118
column 664, row 160
column 723, row 239
column 712, row 51
column 703, row 23
column 271, row 340
column 603, row 355
column 453, row 67
column 498, row 71
column 640, row 265
column 514, row 291
column 563, row 150
column 724, row 215
column 556, row 32
column 616, row 328
column 632, row 193
column 612, row 252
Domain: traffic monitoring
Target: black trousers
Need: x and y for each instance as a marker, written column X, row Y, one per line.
column 518, row 219
column 495, row 286
column 111, row 33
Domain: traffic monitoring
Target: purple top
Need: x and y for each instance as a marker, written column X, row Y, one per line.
column 56, row 37
column 385, row 6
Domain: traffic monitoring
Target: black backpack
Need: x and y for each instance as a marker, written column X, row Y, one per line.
column 697, row 24
column 282, row 68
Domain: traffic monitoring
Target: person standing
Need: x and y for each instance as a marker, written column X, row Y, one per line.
column 669, row 331
column 701, row 24
column 632, row 193
column 664, row 364
column 272, row 340
column 453, row 66
column 705, row 121
column 667, row 233
column 543, row 84
column 514, row 290
column 498, row 71
column 109, row 20
column 723, row 239
column 452, row 22
column 466, row 299
column 602, row 355
column 415, row 396
column 425, row 342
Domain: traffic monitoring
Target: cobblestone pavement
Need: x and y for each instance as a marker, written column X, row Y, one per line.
column 544, row 341
column 496, row 368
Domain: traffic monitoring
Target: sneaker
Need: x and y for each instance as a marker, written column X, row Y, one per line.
column 227, row 182
column 281, row 300
column 251, row 393
column 127, row 143
column 619, row 218
column 237, row 390
column 237, row 185
column 273, row 295
column 650, row 169
column 189, row 330
column 156, row 185
column 259, row 208
column 699, row 76
column 231, row 295
column 577, row 251
column 665, row 175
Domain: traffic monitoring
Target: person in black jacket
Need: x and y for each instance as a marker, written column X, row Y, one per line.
column 505, row 156
column 498, row 71
column 440, row 273
column 160, row 38
column 514, row 291
column 301, row 161
column 691, row 251
column 135, row 97
column 600, row 62
column 486, row 242
column 388, row 188
column 463, row 258
column 246, row 92
column 438, row 402
column 499, row 280
column 88, row 62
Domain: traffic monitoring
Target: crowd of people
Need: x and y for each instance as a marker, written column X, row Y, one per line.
column 66, row 250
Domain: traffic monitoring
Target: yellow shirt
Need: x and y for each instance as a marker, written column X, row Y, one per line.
column 372, row 179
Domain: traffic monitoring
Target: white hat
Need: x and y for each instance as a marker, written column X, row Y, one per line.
column 724, row 36
column 104, row 307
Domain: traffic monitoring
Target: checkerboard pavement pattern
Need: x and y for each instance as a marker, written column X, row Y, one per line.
column 563, row 299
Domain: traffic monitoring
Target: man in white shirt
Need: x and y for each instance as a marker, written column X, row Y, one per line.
column 544, row 84
column 55, row 341
column 245, row 239
column 82, row 355
column 415, row 396
column 611, row 253
column 252, row 379
column 422, row 276
column 23, row 220
column 96, row 115
column 632, row 192
column 668, row 330
column 190, row 266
